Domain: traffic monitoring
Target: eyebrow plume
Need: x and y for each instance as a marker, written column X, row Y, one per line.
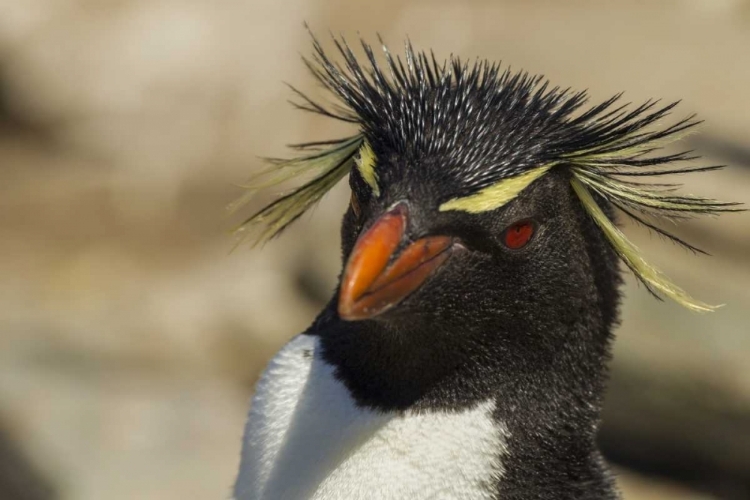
column 495, row 131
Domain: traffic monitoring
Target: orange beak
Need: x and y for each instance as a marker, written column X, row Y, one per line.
column 376, row 279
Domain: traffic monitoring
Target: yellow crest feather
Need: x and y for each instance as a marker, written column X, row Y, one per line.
column 366, row 163
column 330, row 164
column 653, row 278
column 496, row 195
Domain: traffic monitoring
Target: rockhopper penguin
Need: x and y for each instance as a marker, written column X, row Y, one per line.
column 464, row 353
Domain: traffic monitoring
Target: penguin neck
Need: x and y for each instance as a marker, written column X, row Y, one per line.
column 389, row 367
column 548, row 403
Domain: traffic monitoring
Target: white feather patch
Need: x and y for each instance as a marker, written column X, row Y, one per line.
column 306, row 439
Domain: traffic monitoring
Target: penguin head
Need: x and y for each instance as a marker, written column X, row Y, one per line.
column 478, row 192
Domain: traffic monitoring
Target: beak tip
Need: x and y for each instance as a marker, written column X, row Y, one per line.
column 377, row 276
column 348, row 311
column 344, row 309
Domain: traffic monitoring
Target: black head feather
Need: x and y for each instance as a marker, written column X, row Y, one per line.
column 484, row 122
column 469, row 126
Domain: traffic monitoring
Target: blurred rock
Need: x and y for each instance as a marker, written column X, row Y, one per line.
column 645, row 488
column 18, row 479
column 130, row 335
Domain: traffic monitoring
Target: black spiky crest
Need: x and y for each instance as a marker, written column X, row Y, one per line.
column 488, row 124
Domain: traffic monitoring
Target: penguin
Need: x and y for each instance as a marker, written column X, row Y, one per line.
column 464, row 352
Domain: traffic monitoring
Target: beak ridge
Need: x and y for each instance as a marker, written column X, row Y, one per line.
column 376, row 278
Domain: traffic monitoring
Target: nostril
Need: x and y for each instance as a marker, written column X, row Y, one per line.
column 399, row 208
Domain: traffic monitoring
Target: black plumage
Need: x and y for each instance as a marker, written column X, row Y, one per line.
column 531, row 327
column 462, row 128
column 484, row 122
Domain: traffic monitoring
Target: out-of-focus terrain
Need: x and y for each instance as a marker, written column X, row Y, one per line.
column 130, row 336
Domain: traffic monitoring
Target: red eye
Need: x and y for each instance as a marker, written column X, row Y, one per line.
column 518, row 235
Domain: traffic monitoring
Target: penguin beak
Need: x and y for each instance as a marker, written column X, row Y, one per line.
column 378, row 276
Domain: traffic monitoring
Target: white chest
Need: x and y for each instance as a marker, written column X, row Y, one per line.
column 306, row 439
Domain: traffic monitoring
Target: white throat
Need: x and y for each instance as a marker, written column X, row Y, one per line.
column 307, row 439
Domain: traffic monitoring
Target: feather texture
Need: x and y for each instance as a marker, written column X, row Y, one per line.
column 329, row 166
column 654, row 280
column 494, row 131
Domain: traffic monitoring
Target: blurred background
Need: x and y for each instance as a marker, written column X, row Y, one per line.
column 130, row 336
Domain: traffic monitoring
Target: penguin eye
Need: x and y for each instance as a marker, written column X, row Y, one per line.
column 518, row 234
column 356, row 208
